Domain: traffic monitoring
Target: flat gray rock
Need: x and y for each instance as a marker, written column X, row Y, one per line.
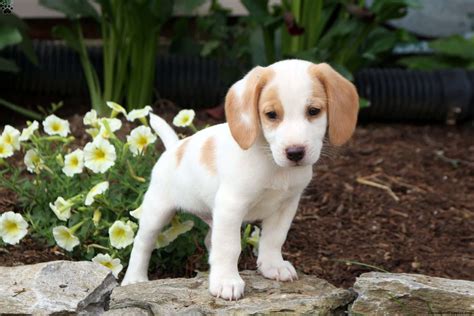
column 54, row 287
column 308, row 295
column 411, row 294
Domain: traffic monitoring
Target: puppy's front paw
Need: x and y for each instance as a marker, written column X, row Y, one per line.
column 280, row 270
column 133, row 279
column 227, row 287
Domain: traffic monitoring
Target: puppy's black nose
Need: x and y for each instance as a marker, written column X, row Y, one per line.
column 295, row 153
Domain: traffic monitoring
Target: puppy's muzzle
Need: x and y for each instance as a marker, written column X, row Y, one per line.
column 295, row 153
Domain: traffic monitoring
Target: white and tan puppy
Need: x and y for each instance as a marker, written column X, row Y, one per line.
column 254, row 167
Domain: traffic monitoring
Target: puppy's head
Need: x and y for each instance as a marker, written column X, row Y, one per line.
column 292, row 103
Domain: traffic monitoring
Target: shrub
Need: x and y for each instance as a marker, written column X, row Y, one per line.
column 86, row 199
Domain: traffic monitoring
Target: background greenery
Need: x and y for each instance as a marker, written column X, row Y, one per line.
column 347, row 34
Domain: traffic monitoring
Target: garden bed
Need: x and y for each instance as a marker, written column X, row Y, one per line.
column 421, row 225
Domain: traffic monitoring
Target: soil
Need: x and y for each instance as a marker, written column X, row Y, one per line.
column 397, row 197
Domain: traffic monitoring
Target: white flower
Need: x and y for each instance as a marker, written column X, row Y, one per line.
column 93, row 132
column 6, row 150
column 90, row 118
column 98, row 189
column 33, row 161
column 12, row 227
column 184, row 118
column 62, row 208
column 108, row 126
column 120, row 234
column 139, row 138
column 110, row 263
column 168, row 236
column 136, row 213
column 11, row 136
column 99, row 155
column 53, row 125
column 116, row 107
column 139, row 113
column 73, row 163
column 65, row 238
column 28, row 131
column 254, row 240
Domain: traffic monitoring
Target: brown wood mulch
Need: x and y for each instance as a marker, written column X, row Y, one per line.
column 397, row 197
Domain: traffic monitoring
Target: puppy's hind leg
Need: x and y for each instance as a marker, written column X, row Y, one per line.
column 156, row 213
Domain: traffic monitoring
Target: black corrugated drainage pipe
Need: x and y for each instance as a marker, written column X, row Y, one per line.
column 187, row 80
column 394, row 94
column 398, row 94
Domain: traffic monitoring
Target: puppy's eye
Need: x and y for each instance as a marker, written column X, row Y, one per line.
column 313, row 111
column 272, row 115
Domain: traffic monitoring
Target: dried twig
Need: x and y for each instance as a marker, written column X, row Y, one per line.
column 380, row 186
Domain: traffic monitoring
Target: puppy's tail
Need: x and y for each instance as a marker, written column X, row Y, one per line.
column 164, row 130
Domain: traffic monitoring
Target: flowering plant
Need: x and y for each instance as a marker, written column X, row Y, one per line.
column 85, row 198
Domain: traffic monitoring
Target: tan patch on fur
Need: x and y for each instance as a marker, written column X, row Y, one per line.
column 245, row 133
column 342, row 102
column 181, row 149
column 270, row 101
column 208, row 155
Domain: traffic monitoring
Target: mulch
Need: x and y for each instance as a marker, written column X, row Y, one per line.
column 398, row 198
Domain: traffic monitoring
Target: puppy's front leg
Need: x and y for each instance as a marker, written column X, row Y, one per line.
column 224, row 278
column 274, row 230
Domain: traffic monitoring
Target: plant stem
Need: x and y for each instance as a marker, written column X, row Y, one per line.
column 269, row 41
column 90, row 74
column 19, row 109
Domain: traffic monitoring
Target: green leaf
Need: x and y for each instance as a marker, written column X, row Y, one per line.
column 187, row 6
column 455, row 46
column 392, row 9
column 9, row 36
column 161, row 9
column 380, row 41
column 73, row 9
column 364, row 103
column 258, row 10
column 69, row 36
column 209, row 47
column 25, row 45
column 429, row 63
column 8, row 65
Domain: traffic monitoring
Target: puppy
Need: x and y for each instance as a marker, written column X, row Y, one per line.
column 254, row 167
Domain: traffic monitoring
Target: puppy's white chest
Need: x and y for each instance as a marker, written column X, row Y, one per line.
column 279, row 181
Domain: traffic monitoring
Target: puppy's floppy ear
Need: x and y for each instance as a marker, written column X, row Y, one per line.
column 241, row 106
column 342, row 103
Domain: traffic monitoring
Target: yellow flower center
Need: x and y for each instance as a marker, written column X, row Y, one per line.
column 107, row 264
column 56, row 127
column 74, row 162
column 99, row 154
column 119, row 233
column 2, row 149
column 66, row 235
column 142, row 141
column 8, row 139
column 12, row 227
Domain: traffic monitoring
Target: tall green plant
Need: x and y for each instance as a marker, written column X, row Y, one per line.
column 345, row 33
column 14, row 32
column 130, row 31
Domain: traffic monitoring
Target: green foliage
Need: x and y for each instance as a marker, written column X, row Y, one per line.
column 14, row 32
column 344, row 33
column 130, row 31
column 450, row 52
column 119, row 188
column 214, row 37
